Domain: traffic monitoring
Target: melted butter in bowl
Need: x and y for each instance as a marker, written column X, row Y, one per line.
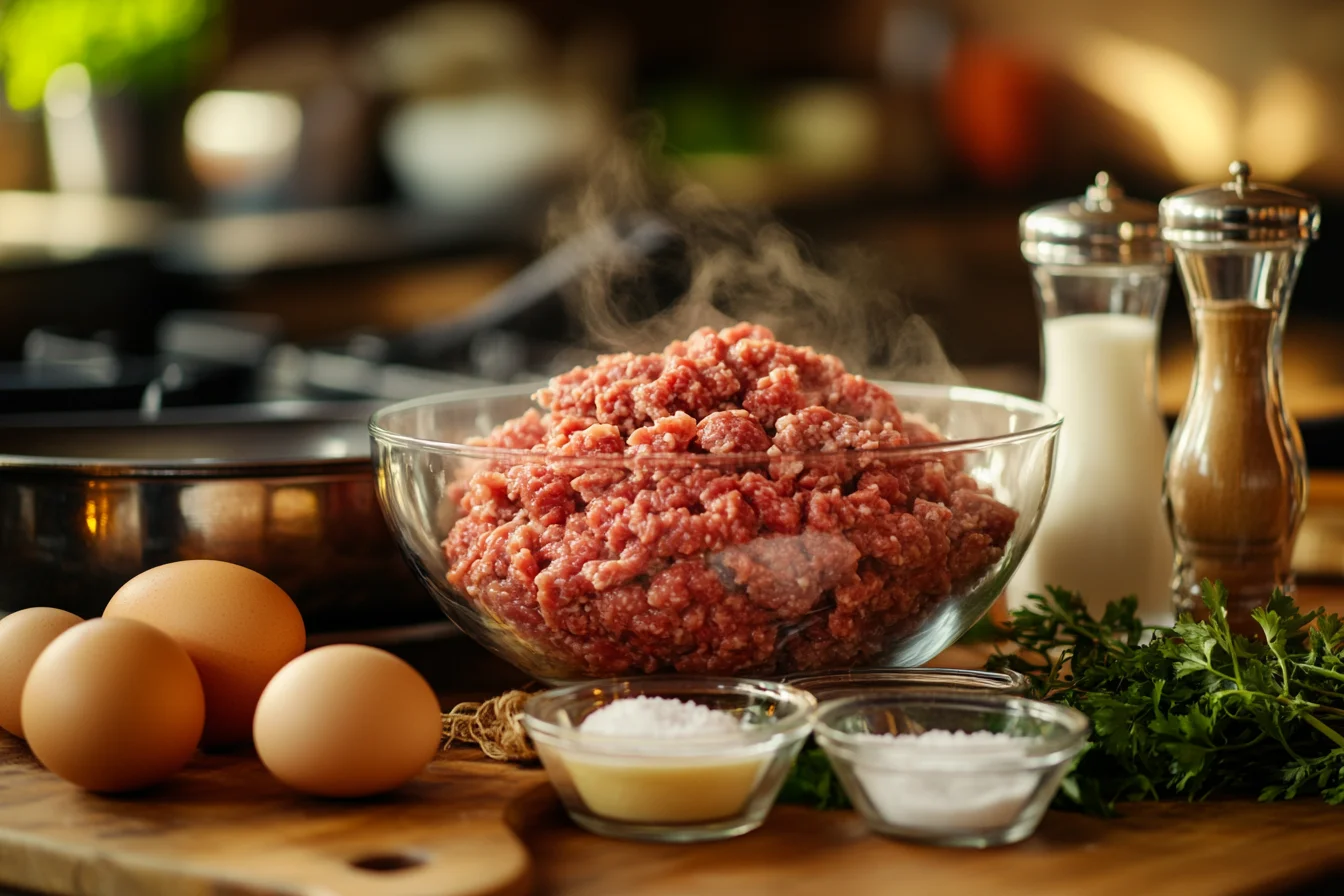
column 672, row 759
column 666, row 790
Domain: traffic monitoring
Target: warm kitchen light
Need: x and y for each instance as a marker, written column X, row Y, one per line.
column 1196, row 116
column 1190, row 110
column 1282, row 131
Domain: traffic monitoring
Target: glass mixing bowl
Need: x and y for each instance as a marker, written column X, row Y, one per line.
column 582, row 567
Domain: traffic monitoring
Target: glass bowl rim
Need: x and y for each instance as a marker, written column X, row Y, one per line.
column 1008, row 682
column 1075, row 727
column 380, row 432
column 799, row 722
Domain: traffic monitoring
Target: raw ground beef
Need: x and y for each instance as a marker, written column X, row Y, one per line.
column 699, row 559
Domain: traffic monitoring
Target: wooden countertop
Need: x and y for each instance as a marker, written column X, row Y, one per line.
column 1154, row 849
column 1220, row 849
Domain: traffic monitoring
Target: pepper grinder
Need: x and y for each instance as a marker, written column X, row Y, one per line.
column 1236, row 482
column 1101, row 273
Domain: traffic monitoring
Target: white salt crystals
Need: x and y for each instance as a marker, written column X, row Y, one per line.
column 659, row 717
column 945, row 781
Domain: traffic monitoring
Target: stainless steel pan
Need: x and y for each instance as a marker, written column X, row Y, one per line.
column 88, row 500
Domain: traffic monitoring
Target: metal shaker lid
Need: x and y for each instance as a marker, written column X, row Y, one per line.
column 1103, row 226
column 1239, row 211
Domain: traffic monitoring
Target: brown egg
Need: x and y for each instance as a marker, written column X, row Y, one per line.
column 238, row 626
column 113, row 705
column 347, row 721
column 24, row 635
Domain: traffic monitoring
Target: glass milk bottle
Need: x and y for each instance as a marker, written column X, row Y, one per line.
column 1236, row 482
column 1101, row 271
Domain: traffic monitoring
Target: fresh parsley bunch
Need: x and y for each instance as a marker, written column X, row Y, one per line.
column 1195, row 711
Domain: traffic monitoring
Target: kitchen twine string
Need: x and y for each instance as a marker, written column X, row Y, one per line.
column 496, row 726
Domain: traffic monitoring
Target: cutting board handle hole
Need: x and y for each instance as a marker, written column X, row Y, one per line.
column 382, row 862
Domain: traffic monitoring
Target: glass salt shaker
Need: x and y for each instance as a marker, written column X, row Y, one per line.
column 1101, row 273
column 1236, row 480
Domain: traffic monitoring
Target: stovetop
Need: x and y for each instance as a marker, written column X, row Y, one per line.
column 213, row 358
column 520, row 332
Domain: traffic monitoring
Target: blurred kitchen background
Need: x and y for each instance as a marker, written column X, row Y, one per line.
column 207, row 201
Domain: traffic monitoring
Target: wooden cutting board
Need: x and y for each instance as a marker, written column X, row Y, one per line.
column 472, row 826
column 224, row 825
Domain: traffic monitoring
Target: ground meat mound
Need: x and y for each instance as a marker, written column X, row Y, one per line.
column 731, row 520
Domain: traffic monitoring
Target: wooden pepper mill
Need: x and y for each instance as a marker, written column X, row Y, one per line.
column 1235, row 485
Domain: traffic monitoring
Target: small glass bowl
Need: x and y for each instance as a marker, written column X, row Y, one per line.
column 673, row 790
column 957, row 794
column 846, row 683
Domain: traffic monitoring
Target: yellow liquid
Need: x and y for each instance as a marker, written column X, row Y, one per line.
column 653, row 791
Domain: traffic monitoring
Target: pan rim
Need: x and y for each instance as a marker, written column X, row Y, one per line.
column 353, row 413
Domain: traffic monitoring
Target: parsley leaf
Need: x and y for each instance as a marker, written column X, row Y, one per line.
column 812, row 781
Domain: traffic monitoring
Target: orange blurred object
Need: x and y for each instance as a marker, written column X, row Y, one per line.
column 992, row 101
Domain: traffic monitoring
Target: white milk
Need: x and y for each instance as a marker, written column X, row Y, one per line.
column 1104, row 532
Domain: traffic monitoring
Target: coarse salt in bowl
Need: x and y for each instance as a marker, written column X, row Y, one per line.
column 672, row 759
column 953, row 768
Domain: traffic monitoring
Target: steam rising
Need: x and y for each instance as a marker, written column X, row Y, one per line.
column 729, row 265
